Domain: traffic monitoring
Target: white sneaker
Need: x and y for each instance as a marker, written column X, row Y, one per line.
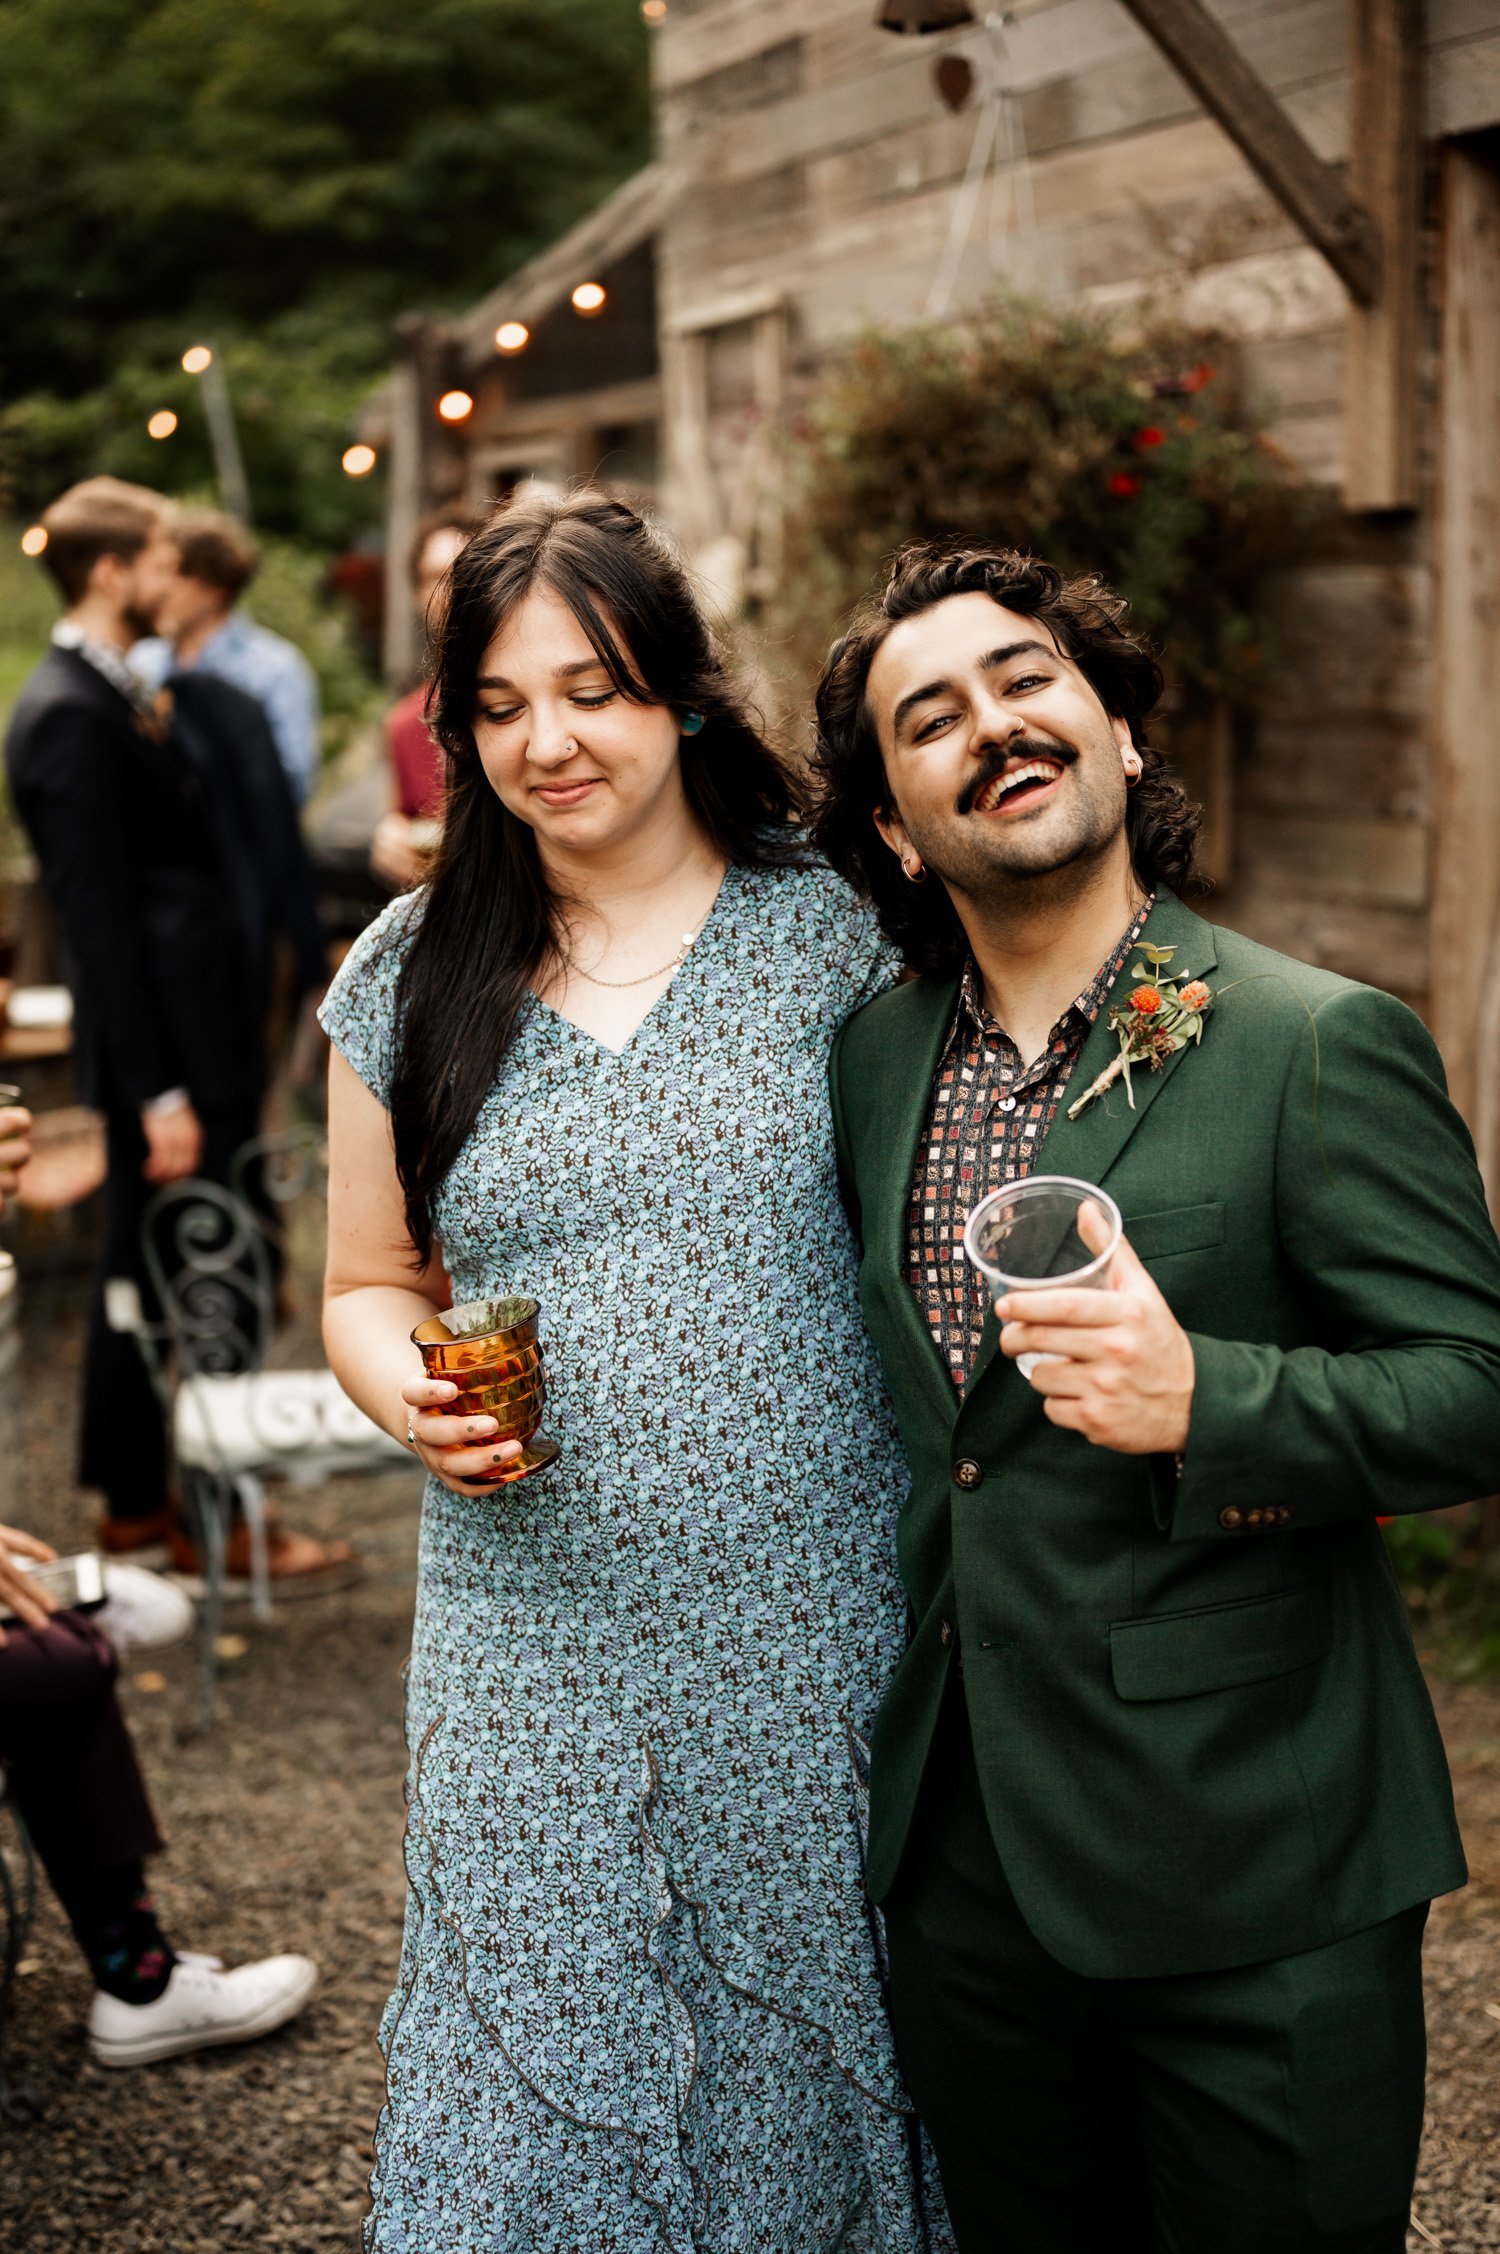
column 141, row 1611
column 202, row 2004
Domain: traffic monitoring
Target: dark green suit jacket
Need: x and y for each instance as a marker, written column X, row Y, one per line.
column 1201, row 1730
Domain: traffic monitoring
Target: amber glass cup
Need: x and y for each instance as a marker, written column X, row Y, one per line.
column 489, row 1349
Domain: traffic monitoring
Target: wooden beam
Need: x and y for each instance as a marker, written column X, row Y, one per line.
column 1385, row 176
column 1464, row 1004
column 1232, row 93
column 403, row 513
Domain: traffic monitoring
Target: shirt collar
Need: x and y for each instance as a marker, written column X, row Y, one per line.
column 105, row 659
column 228, row 640
column 1084, row 1009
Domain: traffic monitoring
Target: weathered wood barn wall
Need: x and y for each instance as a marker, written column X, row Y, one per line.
column 806, row 182
column 1366, row 826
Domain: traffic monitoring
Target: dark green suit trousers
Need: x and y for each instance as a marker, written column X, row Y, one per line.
column 1272, row 2109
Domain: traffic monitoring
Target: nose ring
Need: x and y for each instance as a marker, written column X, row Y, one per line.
column 572, row 743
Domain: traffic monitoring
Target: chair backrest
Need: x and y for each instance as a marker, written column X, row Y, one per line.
column 210, row 1267
column 280, row 1168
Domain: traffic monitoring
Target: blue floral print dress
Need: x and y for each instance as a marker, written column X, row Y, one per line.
column 640, row 2006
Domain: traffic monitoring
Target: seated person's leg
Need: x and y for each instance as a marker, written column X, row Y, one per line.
column 79, row 1790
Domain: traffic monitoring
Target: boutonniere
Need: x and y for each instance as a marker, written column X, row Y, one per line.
column 1159, row 1018
column 153, row 719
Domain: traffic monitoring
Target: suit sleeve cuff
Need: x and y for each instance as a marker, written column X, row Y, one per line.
column 163, row 1106
column 1223, row 1485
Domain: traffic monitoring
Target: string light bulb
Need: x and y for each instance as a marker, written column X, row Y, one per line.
column 358, row 460
column 589, row 298
column 455, row 405
column 33, row 540
column 196, row 358
column 512, row 336
column 162, row 423
column 653, row 10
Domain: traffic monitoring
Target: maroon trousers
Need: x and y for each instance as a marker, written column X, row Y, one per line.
column 72, row 1768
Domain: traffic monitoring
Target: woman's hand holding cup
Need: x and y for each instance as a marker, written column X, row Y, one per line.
column 463, row 1452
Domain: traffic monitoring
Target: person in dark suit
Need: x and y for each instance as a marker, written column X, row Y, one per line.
column 1158, row 1801
column 250, row 808
column 168, row 1030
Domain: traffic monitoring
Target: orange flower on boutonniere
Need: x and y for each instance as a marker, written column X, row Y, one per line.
column 1159, row 1018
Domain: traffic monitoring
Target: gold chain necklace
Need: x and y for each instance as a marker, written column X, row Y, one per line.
column 619, row 985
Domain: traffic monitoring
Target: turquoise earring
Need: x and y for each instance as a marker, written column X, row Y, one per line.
column 691, row 723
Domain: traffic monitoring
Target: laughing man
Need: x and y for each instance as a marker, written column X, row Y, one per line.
column 1159, row 1802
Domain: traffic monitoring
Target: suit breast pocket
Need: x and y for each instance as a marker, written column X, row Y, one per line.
column 1177, row 1228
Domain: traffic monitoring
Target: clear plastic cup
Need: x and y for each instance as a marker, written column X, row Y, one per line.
column 1025, row 1238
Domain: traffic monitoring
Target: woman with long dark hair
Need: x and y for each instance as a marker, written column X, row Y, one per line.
column 640, row 2008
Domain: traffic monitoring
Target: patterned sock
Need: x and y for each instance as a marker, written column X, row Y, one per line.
column 130, row 1955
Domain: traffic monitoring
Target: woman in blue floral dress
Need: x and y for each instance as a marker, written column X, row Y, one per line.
column 640, row 2007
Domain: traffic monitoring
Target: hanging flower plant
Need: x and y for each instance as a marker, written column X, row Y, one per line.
column 1136, row 459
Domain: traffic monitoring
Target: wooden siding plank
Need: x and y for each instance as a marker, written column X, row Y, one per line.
column 1362, row 858
column 1463, row 86
column 1466, row 666
column 1381, row 946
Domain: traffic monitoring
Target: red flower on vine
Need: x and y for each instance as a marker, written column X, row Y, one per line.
column 1150, row 436
column 1123, row 484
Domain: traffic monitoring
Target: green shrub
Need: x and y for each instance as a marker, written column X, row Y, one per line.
column 1049, row 432
column 1448, row 1564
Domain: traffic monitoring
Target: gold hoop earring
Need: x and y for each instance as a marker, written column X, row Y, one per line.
column 1134, row 766
column 913, row 872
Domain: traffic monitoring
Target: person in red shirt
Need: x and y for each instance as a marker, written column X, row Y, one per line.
column 403, row 840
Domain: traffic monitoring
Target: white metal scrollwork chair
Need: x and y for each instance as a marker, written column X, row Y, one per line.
column 17, row 1906
column 211, row 1257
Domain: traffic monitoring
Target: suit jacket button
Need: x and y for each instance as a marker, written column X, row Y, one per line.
column 1255, row 1518
column 967, row 1473
column 1231, row 1520
column 945, row 1633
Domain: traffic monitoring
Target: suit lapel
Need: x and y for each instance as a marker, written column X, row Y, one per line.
column 1088, row 1146
column 913, row 1064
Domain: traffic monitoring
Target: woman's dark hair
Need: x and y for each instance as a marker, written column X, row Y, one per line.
column 1089, row 624
column 488, row 920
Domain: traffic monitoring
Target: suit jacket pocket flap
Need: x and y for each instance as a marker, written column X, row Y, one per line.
column 1182, row 1228
column 1182, row 1654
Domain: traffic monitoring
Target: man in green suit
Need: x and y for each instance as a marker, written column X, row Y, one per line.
column 1158, row 1798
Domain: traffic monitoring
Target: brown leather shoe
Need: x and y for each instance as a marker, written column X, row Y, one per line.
column 298, row 1564
column 129, row 1537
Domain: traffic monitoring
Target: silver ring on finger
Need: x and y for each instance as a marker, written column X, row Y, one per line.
column 411, row 1434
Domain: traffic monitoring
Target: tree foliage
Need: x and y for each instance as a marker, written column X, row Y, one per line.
column 283, row 176
column 1046, row 431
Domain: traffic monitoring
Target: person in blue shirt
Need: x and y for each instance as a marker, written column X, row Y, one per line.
column 201, row 629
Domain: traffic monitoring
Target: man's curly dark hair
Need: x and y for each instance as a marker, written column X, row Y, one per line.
column 1090, row 624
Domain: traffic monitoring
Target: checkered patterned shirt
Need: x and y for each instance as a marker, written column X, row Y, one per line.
column 988, row 1117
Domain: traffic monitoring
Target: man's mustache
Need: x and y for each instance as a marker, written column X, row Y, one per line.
column 1017, row 755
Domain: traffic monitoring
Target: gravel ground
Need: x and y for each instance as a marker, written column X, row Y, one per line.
column 284, row 1831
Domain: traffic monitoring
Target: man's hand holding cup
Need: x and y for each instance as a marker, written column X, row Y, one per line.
column 1123, row 1371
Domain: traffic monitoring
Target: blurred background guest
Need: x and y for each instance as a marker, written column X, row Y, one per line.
column 168, row 1036
column 402, row 844
column 72, row 1770
column 248, row 796
column 205, row 631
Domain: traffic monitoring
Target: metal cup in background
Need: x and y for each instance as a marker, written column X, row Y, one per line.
column 490, row 1350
